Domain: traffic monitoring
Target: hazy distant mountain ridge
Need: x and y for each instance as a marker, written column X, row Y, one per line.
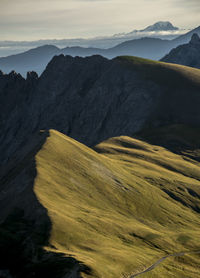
column 187, row 54
column 37, row 59
column 162, row 30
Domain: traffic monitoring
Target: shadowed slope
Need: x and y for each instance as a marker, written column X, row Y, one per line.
column 92, row 99
column 24, row 222
column 179, row 139
column 119, row 210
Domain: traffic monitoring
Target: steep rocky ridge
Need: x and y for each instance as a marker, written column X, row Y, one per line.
column 91, row 99
column 186, row 54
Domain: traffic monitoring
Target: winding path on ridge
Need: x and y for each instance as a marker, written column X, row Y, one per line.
column 157, row 263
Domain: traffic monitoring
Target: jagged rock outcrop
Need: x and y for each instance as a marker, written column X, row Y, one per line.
column 92, row 99
column 195, row 40
column 187, row 54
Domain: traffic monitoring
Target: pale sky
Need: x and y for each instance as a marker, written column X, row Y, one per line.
column 48, row 19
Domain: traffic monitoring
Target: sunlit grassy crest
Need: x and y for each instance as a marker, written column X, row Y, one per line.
column 112, row 210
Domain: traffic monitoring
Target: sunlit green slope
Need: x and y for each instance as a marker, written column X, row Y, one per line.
column 122, row 206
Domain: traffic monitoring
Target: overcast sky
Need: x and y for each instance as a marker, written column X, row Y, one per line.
column 41, row 19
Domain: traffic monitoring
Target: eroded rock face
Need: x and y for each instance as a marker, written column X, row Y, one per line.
column 92, row 99
column 195, row 39
column 187, row 54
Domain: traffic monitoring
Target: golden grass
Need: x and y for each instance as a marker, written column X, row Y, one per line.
column 109, row 209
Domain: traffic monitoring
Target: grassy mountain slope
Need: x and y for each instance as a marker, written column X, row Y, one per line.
column 120, row 207
column 160, row 71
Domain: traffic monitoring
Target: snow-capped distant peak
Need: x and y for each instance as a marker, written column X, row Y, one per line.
column 160, row 29
column 160, row 26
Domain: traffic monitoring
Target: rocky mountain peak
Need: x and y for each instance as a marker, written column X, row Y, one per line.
column 186, row 54
column 61, row 64
column 13, row 73
column 31, row 75
column 195, row 39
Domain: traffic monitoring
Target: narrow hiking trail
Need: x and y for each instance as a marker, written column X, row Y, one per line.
column 157, row 263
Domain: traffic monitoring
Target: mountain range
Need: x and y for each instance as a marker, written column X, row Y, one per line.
column 186, row 54
column 73, row 96
column 161, row 29
column 37, row 59
column 99, row 170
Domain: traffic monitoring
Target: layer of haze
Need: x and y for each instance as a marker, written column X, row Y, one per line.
column 43, row 19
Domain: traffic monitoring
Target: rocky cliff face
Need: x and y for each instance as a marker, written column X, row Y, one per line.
column 92, row 99
column 187, row 54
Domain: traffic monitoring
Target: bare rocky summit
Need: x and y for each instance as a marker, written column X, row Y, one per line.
column 186, row 54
